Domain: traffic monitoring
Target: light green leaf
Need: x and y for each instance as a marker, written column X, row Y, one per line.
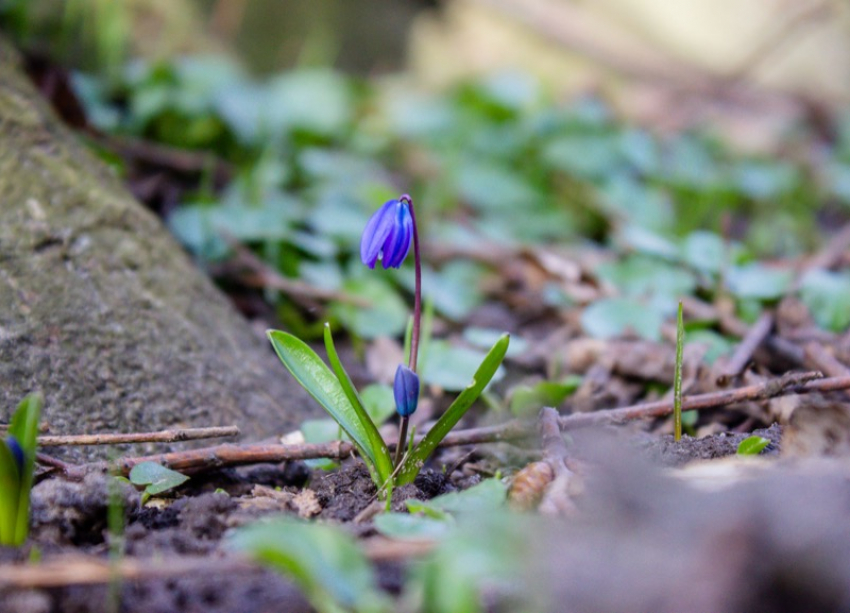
column 488, row 495
column 24, row 428
column 386, row 316
column 451, row 367
column 528, row 399
column 407, row 526
column 827, row 296
column 379, row 453
column 321, row 431
column 753, row 445
column 705, row 251
column 758, row 281
column 315, row 377
column 323, row 560
column 455, row 412
column 10, row 489
column 612, row 317
column 379, row 402
column 156, row 477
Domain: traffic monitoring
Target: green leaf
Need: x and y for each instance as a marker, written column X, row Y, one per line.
column 526, row 399
column 455, row 412
column 156, row 477
column 10, row 488
column 451, row 367
column 379, row 453
column 24, row 428
column 705, row 251
column 386, row 316
column 486, row 496
column 323, row 560
column 758, row 281
column 753, row 445
column 611, row 317
column 321, row 431
column 315, row 377
column 716, row 344
column 379, row 402
column 827, row 296
column 642, row 276
column 407, row 526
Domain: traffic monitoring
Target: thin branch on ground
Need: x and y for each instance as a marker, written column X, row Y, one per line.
column 163, row 436
column 260, row 275
column 743, row 355
column 195, row 460
column 818, row 356
column 77, row 569
column 789, row 384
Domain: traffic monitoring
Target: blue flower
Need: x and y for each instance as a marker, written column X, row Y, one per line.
column 405, row 390
column 12, row 443
column 388, row 235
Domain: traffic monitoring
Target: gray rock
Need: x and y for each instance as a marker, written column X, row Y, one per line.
column 102, row 310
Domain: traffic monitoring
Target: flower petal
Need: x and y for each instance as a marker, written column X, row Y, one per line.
column 397, row 244
column 376, row 232
column 12, row 443
column 405, row 390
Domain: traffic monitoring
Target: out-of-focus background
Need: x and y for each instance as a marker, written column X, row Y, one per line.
column 671, row 64
column 700, row 133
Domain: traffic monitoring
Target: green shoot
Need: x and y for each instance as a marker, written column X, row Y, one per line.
column 17, row 460
column 752, row 445
column 333, row 390
column 677, row 378
column 155, row 478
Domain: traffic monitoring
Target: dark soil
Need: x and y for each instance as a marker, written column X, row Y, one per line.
column 70, row 517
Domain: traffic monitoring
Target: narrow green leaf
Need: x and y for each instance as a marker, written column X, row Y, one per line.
column 380, row 454
column 455, row 412
column 315, row 377
column 753, row 445
column 10, row 487
column 24, row 428
column 677, row 376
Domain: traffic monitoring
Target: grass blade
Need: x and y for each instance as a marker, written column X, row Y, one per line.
column 381, row 454
column 677, row 377
column 9, row 491
column 315, row 377
column 24, row 428
column 455, row 412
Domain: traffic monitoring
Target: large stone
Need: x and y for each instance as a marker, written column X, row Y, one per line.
column 102, row 310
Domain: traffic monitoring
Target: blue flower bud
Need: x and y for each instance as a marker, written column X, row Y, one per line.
column 388, row 235
column 12, row 443
column 405, row 390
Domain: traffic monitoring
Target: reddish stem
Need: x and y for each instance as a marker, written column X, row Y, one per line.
column 417, row 321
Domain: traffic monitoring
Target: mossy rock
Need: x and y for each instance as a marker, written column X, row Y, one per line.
column 102, row 310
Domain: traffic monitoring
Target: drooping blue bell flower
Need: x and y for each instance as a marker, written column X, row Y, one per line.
column 405, row 390
column 17, row 452
column 388, row 235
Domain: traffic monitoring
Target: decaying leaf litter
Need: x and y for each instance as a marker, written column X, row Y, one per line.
column 621, row 502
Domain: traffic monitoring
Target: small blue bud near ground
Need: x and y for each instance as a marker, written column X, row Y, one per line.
column 388, row 235
column 17, row 452
column 405, row 390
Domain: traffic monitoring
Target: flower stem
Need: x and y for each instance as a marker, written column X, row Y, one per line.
column 417, row 320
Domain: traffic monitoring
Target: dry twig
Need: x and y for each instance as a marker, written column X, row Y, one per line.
column 163, row 436
column 744, row 353
column 194, row 460
column 75, row 569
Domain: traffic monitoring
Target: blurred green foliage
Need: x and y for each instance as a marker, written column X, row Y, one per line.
column 498, row 160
